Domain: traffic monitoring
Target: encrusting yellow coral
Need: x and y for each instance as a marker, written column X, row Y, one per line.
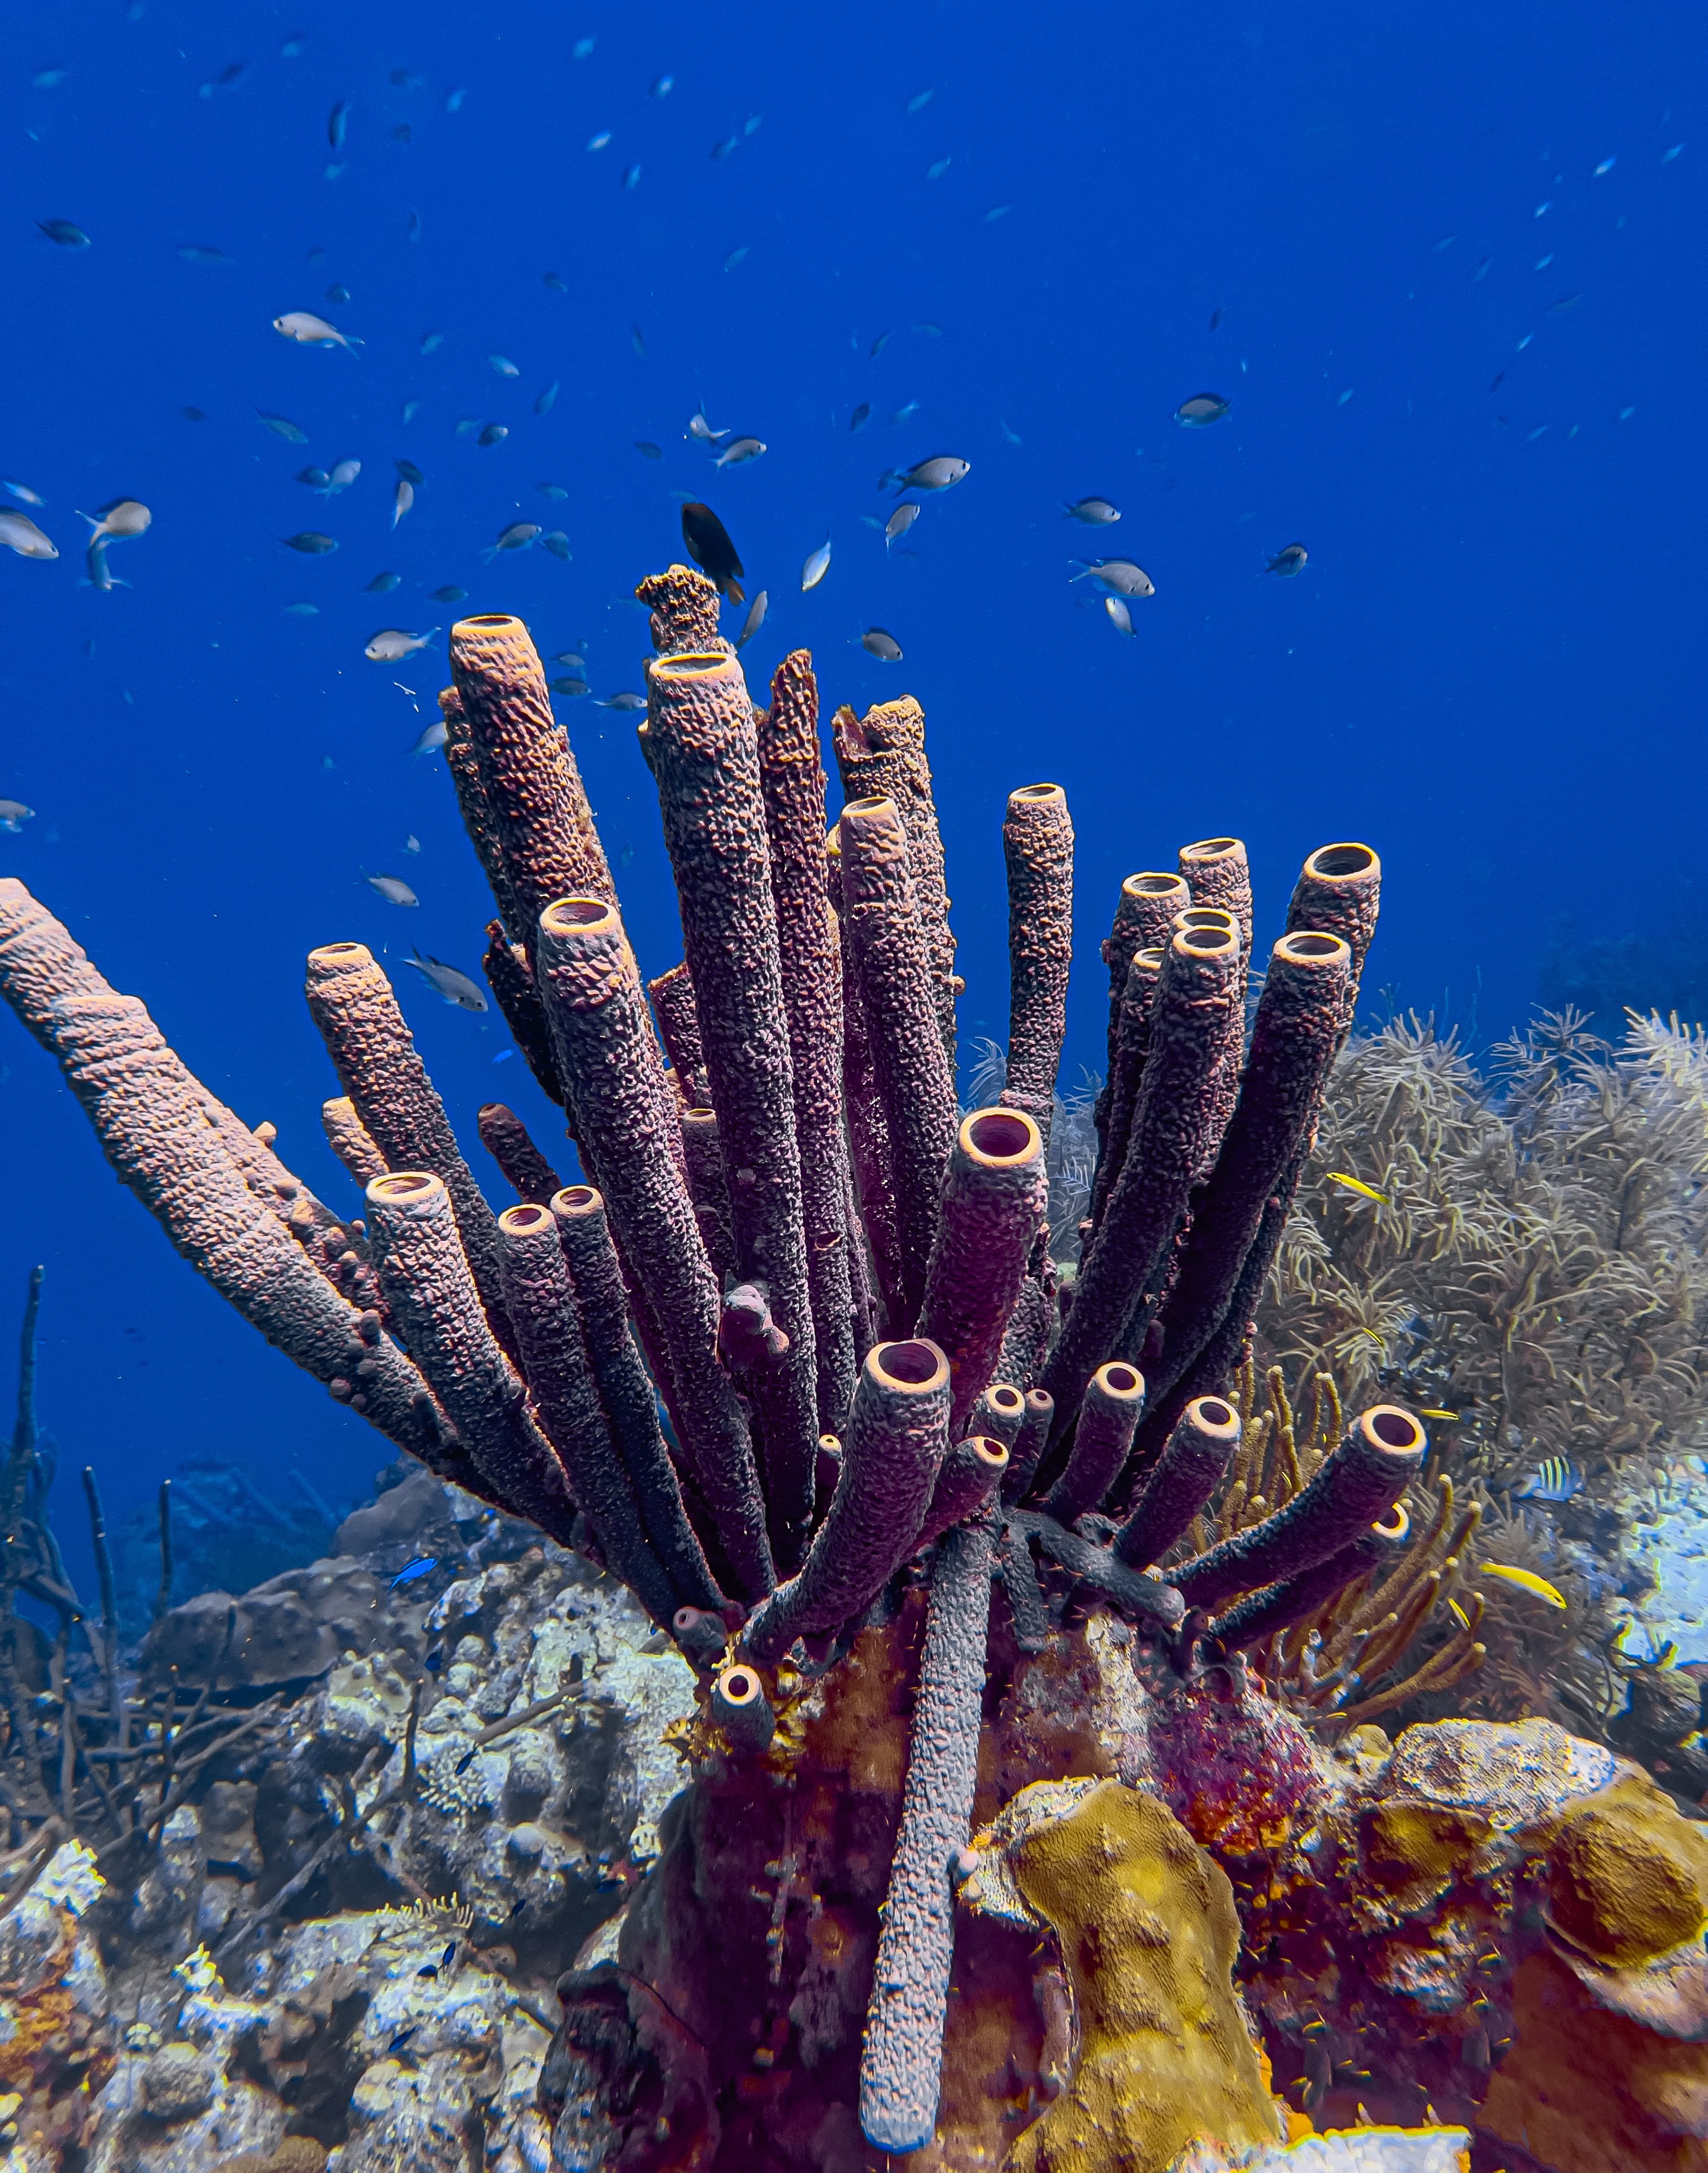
column 1149, row 1935
column 1627, row 1877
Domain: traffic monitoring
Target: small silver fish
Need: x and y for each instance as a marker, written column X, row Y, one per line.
column 861, row 416
column 554, row 491
column 570, row 687
column 547, row 400
column 125, row 517
column 22, row 492
column 1119, row 616
column 557, row 543
column 1120, row 576
column 456, row 986
column 315, row 478
column 402, row 499
column 392, row 645
column 516, row 537
column 338, row 124
column 1095, row 512
column 382, row 585
column 13, row 814
column 699, row 427
column 449, row 593
column 431, row 342
column 901, row 520
column 627, row 703
column 412, row 843
column 283, row 427
column 756, row 619
column 192, row 254
column 1203, row 409
column 905, row 412
column 339, row 479
column 631, row 177
column 432, row 739
column 937, row 473
column 494, row 434
column 817, row 567
column 876, row 643
column 503, row 364
column 1288, row 560
column 308, row 330
column 100, row 575
column 64, row 233
column 312, row 541
column 743, row 450
column 393, row 889
column 304, row 611
column 19, row 533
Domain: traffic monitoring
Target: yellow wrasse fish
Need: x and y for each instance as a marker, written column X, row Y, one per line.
column 1357, row 1185
column 1458, row 1615
column 1438, row 1414
column 1527, row 1581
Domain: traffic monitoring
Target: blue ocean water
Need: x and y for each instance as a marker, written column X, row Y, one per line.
column 1441, row 262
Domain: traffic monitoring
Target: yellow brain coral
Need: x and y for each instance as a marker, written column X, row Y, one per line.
column 1150, row 1934
column 1627, row 1876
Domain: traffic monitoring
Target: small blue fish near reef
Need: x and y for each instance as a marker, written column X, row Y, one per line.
column 1555, row 1479
column 410, row 1571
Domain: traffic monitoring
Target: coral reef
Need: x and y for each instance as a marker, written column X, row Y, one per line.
column 798, row 1365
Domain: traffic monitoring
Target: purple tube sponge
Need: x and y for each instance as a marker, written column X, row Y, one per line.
column 1185, row 1476
column 506, row 1138
column 1038, row 845
column 1109, row 1412
column 438, row 1310
column 1176, row 1133
column 626, row 1116
column 901, row 2061
column 1260, row 1613
column 972, row 1472
column 1355, row 1485
column 895, row 1442
column 994, row 1196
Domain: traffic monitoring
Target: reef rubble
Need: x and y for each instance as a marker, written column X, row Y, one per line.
column 1020, row 1826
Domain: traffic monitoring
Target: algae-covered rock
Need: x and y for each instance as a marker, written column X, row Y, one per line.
column 1627, row 1875
column 1149, row 1935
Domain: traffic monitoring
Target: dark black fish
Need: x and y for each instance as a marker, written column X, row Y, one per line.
column 519, row 1908
column 410, row 472
column 711, row 550
column 1216, row 320
column 449, row 1956
column 463, row 1763
column 435, row 1660
column 427, row 1969
column 858, row 419
column 1288, row 560
column 402, row 2038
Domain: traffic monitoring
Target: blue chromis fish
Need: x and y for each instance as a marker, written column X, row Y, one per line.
column 458, row 989
column 393, row 889
column 1357, row 1185
column 817, row 567
column 1527, row 1581
column 283, row 427
column 412, row 1570
column 64, row 233
column 1555, row 1479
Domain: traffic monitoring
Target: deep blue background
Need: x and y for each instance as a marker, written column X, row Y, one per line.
column 1487, row 669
